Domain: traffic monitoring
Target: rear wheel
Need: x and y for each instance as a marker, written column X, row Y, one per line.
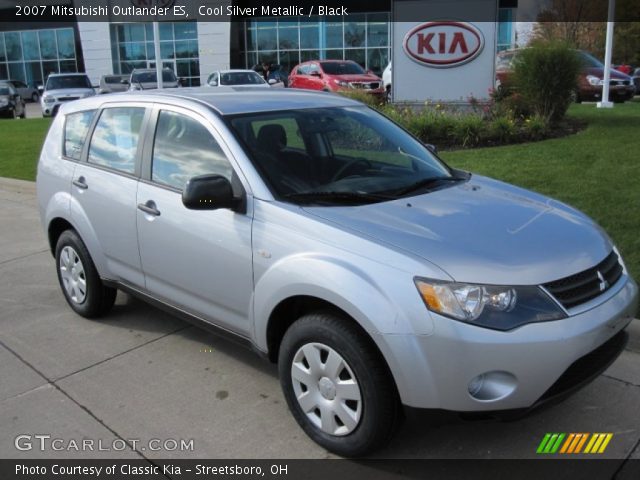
column 35, row 97
column 337, row 386
column 79, row 280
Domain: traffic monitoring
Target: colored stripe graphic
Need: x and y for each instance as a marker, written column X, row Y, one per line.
column 550, row 443
column 573, row 443
column 598, row 443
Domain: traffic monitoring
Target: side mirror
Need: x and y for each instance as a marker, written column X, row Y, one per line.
column 209, row 192
column 40, row 89
column 432, row 148
column 124, row 81
column 272, row 81
column 182, row 81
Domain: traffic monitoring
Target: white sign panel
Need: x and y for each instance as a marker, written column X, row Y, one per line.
column 443, row 58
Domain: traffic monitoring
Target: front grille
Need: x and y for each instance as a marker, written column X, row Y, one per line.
column 67, row 99
column 365, row 85
column 619, row 82
column 586, row 368
column 587, row 285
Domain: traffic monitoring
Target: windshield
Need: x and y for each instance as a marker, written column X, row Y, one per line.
column 241, row 78
column 342, row 68
column 71, row 81
column 150, row 77
column 327, row 155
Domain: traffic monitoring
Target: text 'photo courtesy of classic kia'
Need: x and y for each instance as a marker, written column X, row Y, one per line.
column 328, row 239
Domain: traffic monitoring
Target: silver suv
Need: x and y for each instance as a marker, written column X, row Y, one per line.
column 64, row 87
column 328, row 239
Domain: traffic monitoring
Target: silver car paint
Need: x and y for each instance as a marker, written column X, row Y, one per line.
column 365, row 266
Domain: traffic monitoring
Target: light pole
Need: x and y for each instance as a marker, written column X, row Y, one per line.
column 605, row 103
column 156, row 48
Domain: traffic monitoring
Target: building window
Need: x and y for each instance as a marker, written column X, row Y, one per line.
column 30, row 56
column 364, row 38
column 132, row 47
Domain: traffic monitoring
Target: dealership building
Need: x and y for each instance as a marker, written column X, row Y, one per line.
column 29, row 51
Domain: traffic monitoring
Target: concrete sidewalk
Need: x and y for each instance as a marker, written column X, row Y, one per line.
column 140, row 374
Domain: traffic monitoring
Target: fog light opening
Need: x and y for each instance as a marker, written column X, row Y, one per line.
column 492, row 386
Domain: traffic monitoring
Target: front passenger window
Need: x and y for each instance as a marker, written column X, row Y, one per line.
column 184, row 148
column 115, row 139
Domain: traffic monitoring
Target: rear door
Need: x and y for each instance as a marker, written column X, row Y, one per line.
column 105, row 187
column 197, row 260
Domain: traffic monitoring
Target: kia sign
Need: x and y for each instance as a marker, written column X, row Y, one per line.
column 440, row 58
column 443, row 44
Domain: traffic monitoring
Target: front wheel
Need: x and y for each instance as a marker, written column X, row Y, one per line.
column 81, row 285
column 337, row 385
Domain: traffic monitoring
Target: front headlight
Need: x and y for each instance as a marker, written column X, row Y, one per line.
column 595, row 81
column 4, row 102
column 48, row 99
column 489, row 306
column 342, row 83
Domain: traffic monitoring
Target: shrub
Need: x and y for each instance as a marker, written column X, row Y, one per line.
column 366, row 98
column 467, row 130
column 536, row 127
column 503, row 129
column 545, row 75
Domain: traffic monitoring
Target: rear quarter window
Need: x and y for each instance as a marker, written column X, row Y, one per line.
column 115, row 139
column 76, row 126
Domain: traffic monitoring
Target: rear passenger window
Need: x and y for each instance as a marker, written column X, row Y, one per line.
column 184, row 148
column 75, row 132
column 115, row 138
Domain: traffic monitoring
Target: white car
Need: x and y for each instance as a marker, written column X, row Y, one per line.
column 235, row 78
column 386, row 81
column 64, row 87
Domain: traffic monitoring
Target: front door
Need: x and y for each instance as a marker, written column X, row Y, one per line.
column 197, row 260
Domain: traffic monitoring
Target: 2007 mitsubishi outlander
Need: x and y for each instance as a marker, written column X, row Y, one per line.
column 321, row 234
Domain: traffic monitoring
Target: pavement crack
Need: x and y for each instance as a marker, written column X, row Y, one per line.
column 630, row 384
column 121, row 353
column 86, row 409
column 24, row 256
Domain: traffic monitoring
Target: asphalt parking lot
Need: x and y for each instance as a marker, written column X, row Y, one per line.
column 141, row 374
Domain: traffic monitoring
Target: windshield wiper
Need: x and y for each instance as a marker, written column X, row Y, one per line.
column 424, row 183
column 339, row 196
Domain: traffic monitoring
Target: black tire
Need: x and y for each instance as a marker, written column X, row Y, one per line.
column 98, row 298
column 380, row 410
column 23, row 115
column 35, row 97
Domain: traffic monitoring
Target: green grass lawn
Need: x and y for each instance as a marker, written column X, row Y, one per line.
column 597, row 170
column 20, row 144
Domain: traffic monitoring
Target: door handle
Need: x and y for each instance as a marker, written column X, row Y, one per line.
column 81, row 183
column 149, row 208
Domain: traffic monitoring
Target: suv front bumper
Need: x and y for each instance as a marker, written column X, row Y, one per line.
column 510, row 370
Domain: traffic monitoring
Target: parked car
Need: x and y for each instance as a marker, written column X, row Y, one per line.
column 11, row 103
column 334, row 75
column 636, row 80
column 25, row 91
column 147, row 79
column 113, row 83
column 589, row 81
column 321, row 234
column 61, row 88
column 226, row 78
column 386, row 81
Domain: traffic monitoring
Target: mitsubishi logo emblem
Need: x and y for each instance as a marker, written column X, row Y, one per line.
column 603, row 283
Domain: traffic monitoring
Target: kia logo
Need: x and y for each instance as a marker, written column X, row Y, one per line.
column 443, row 44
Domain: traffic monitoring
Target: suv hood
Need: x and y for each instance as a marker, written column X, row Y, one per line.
column 357, row 78
column 69, row 92
column 482, row 231
column 599, row 72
